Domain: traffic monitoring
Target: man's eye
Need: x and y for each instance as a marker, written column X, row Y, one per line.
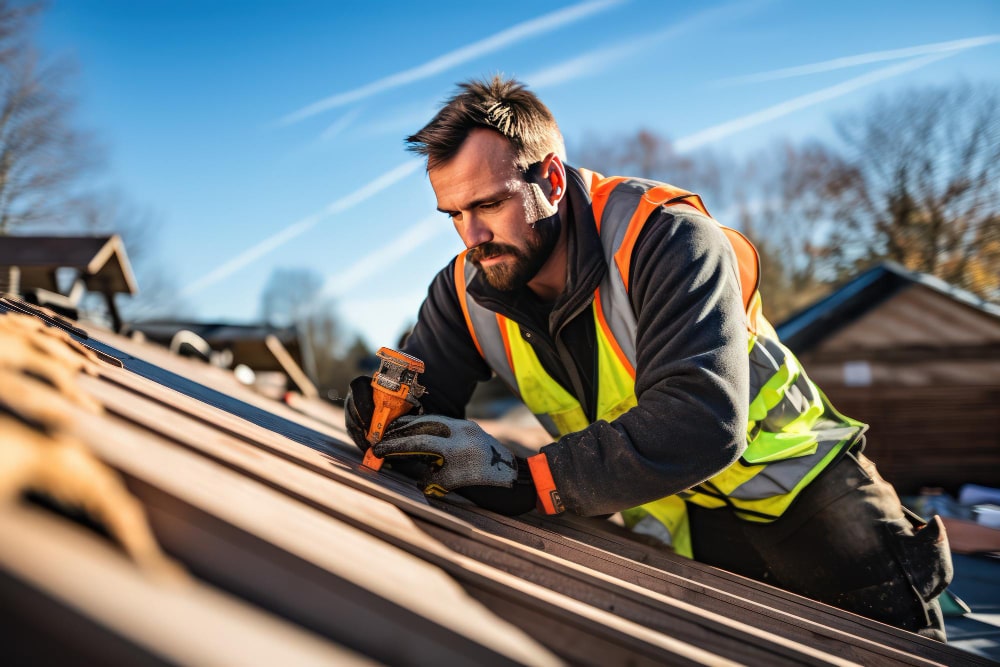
column 454, row 216
column 490, row 205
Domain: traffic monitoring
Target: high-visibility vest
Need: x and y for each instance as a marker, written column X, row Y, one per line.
column 793, row 432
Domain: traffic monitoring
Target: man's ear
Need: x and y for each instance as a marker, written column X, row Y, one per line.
column 553, row 173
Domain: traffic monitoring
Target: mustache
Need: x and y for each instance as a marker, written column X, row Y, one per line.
column 490, row 249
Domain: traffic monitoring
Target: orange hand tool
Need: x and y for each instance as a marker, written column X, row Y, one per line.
column 395, row 391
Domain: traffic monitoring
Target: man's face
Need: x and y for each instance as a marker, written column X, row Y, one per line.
column 505, row 221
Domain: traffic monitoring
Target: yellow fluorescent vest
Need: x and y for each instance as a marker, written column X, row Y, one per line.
column 793, row 432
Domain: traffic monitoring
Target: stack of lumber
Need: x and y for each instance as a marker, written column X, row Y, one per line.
column 156, row 511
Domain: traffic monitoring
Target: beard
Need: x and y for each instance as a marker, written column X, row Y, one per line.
column 523, row 263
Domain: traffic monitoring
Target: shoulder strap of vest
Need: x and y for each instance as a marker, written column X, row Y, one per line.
column 600, row 189
column 661, row 195
column 667, row 195
column 749, row 265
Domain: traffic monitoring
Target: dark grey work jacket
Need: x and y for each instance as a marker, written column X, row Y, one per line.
column 691, row 358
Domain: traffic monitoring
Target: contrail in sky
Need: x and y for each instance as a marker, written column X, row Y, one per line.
column 341, row 124
column 722, row 130
column 599, row 60
column 420, row 233
column 864, row 59
column 295, row 229
column 521, row 31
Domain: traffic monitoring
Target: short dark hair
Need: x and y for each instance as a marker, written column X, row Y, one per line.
column 503, row 105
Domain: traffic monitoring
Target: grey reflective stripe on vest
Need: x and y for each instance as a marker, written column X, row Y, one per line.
column 780, row 477
column 766, row 357
column 615, row 301
column 549, row 425
column 618, row 210
column 650, row 526
column 484, row 321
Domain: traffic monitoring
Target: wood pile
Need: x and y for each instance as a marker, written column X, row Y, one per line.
column 199, row 523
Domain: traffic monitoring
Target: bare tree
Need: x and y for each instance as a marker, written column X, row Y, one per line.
column 111, row 212
column 923, row 187
column 916, row 180
column 292, row 297
column 41, row 154
column 646, row 154
column 771, row 196
column 780, row 202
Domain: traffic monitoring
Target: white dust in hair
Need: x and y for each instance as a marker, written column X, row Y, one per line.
column 501, row 116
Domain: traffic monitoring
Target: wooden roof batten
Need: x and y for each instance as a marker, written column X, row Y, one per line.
column 30, row 265
column 277, row 514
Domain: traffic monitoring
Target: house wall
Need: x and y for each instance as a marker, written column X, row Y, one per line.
column 943, row 436
column 923, row 370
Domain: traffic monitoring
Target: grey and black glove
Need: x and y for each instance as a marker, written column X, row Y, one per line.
column 464, row 458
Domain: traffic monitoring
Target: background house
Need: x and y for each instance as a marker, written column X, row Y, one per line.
column 56, row 271
column 919, row 361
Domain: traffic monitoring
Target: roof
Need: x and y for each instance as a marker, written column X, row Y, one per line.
column 101, row 261
column 253, row 535
column 861, row 295
column 247, row 342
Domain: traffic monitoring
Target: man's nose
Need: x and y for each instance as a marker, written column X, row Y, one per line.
column 473, row 231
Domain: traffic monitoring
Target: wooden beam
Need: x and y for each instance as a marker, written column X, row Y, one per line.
column 382, row 521
column 184, row 624
column 566, row 604
column 292, row 369
column 343, row 557
column 650, row 612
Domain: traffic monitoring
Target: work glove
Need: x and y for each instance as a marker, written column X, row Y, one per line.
column 463, row 458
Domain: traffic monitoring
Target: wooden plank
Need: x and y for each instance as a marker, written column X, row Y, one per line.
column 403, row 595
column 357, row 509
column 244, row 407
column 629, row 639
column 35, row 629
column 219, row 379
column 851, row 627
column 598, row 533
column 180, row 622
column 841, row 622
column 483, row 582
column 292, row 369
column 186, row 432
column 808, row 622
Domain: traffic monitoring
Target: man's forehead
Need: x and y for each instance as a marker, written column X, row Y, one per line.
column 482, row 150
column 484, row 165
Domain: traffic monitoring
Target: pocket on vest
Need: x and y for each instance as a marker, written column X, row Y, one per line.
column 769, row 447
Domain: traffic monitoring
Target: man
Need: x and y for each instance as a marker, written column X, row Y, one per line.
column 629, row 322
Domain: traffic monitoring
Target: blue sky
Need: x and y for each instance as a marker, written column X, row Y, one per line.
column 269, row 135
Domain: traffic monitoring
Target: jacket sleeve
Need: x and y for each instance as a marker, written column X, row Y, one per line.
column 692, row 376
column 442, row 341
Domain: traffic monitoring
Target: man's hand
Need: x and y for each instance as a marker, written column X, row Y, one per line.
column 463, row 454
column 446, row 454
column 465, row 459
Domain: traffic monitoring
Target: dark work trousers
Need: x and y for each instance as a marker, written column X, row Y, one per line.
column 845, row 541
